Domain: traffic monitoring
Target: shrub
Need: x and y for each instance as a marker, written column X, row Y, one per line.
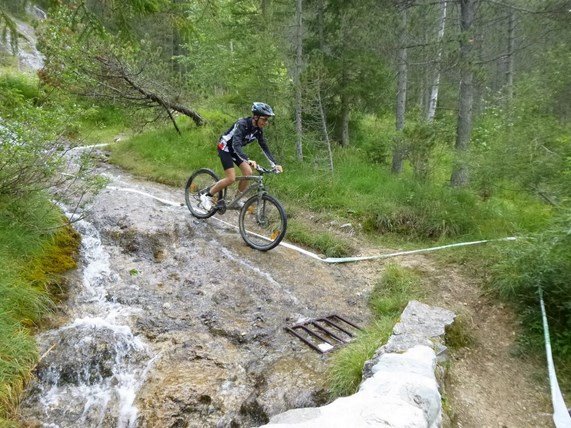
column 15, row 89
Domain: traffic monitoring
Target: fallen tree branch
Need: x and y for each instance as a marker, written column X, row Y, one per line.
column 115, row 71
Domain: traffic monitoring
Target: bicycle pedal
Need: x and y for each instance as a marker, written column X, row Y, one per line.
column 221, row 207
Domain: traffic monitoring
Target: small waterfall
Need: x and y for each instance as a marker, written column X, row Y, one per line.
column 92, row 367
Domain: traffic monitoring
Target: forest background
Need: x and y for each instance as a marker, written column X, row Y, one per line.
column 419, row 122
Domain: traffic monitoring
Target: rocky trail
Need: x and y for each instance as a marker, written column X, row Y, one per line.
column 205, row 316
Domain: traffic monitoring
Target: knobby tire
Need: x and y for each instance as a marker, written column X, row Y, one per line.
column 262, row 222
column 200, row 181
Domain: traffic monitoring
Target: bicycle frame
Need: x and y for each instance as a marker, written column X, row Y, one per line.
column 258, row 186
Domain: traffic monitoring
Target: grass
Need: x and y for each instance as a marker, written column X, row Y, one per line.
column 346, row 365
column 388, row 299
column 325, row 242
column 105, row 124
column 167, row 157
column 36, row 249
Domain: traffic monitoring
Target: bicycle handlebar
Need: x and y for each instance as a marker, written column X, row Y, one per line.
column 263, row 170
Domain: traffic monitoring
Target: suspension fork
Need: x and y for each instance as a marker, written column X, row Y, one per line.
column 260, row 209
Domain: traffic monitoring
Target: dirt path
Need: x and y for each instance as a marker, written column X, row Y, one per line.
column 489, row 384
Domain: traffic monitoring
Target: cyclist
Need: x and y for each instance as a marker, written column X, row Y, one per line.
column 243, row 132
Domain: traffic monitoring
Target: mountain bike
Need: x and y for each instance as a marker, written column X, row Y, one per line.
column 262, row 219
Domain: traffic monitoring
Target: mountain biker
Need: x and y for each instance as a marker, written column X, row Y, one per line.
column 243, row 132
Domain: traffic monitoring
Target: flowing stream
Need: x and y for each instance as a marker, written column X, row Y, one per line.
column 93, row 366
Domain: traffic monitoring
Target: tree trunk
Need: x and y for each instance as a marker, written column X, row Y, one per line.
column 459, row 177
column 297, row 78
column 344, row 92
column 436, row 82
column 320, row 24
column 345, row 114
column 324, row 127
column 176, row 42
column 510, row 56
column 399, row 150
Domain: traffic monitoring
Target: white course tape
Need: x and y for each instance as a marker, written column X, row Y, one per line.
column 561, row 416
column 315, row 256
column 404, row 253
column 93, row 146
column 126, row 189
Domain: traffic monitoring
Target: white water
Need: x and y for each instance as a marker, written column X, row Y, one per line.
column 99, row 329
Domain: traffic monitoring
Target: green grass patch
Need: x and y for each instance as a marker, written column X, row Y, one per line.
column 167, row 157
column 100, row 124
column 16, row 88
column 36, row 248
column 389, row 297
column 393, row 291
column 324, row 242
column 346, row 365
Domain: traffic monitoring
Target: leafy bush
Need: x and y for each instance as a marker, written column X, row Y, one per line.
column 15, row 89
column 375, row 137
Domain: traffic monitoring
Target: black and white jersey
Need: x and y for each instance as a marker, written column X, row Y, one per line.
column 242, row 133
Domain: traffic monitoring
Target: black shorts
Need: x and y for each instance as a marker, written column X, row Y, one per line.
column 229, row 159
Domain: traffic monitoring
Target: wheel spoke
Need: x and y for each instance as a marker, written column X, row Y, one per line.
column 199, row 183
column 262, row 222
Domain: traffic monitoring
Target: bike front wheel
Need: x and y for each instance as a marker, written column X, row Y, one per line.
column 262, row 222
column 199, row 183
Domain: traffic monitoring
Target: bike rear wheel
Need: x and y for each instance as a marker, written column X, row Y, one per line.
column 262, row 222
column 199, row 183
